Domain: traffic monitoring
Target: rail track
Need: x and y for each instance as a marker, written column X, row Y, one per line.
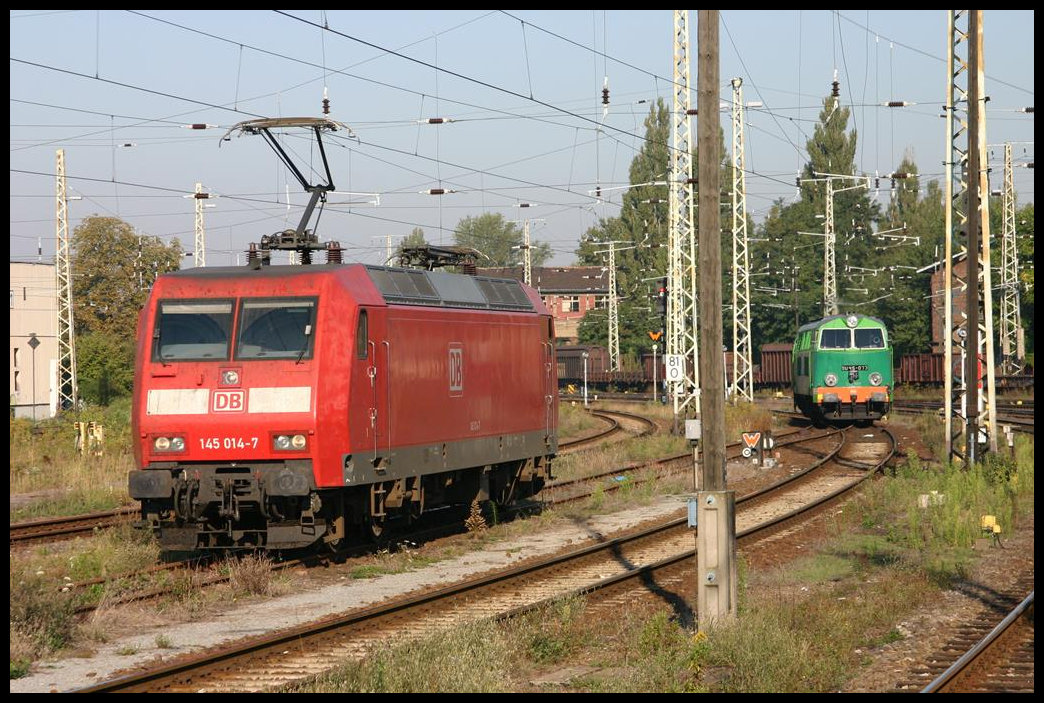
column 603, row 571
column 999, row 661
column 60, row 528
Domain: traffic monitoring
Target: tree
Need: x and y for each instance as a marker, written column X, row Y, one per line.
column 113, row 268
column 500, row 241
column 104, row 366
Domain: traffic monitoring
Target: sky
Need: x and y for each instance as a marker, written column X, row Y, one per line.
column 525, row 133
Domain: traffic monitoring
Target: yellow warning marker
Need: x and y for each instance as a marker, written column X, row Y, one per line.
column 990, row 528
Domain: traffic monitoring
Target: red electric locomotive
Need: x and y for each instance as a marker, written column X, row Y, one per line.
column 279, row 407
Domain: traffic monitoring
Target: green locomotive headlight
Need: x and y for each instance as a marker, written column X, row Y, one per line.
column 830, row 379
column 876, row 379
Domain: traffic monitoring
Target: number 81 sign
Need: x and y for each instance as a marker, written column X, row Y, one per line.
column 675, row 367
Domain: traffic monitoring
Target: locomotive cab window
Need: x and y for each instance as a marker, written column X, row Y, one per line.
column 276, row 329
column 192, row 330
column 869, row 339
column 835, row 339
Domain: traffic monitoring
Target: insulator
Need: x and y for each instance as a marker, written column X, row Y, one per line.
column 435, row 120
column 252, row 255
column 306, row 257
column 692, row 111
column 333, row 253
column 436, row 191
column 896, row 103
column 326, row 106
column 605, row 96
column 835, row 91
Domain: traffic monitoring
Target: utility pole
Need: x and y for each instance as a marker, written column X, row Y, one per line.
column 200, row 253
column 527, row 258
column 1011, row 334
column 67, row 387
column 526, row 247
column 682, row 347
column 742, row 353
column 965, row 181
column 614, row 310
column 830, row 236
column 716, row 518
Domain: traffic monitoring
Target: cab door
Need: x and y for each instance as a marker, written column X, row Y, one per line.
column 368, row 407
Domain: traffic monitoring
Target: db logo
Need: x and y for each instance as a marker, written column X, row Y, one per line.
column 456, row 370
column 229, row 401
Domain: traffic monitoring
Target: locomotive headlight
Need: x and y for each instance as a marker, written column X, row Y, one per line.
column 289, row 442
column 229, row 377
column 830, row 379
column 875, row 379
column 168, row 444
column 852, row 321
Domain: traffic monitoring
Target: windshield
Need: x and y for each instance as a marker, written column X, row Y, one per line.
column 869, row 339
column 835, row 339
column 192, row 330
column 276, row 329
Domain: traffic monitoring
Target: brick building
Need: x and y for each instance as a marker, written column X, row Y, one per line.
column 938, row 297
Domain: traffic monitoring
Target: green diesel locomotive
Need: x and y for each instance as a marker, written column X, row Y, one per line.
column 842, row 369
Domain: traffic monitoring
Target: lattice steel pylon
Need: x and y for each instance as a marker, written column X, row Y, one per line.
column 200, row 252
column 68, row 392
column 742, row 356
column 956, row 326
column 1011, row 335
column 614, row 314
column 613, row 307
column 829, row 256
column 527, row 257
column 681, row 274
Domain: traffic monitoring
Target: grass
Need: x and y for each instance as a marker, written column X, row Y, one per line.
column 44, row 456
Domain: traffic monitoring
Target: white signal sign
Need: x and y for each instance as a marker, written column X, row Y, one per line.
column 675, row 367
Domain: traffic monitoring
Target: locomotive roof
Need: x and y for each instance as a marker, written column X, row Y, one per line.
column 819, row 323
column 401, row 286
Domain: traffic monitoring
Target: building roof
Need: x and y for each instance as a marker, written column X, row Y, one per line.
column 557, row 279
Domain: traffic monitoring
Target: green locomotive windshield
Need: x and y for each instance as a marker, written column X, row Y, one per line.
column 835, row 339
column 192, row 330
column 869, row 339
column 276, row 329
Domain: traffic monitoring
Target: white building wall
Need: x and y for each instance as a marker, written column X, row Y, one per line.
column 34, row 310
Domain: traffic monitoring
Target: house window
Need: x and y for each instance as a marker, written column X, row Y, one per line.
column 17, row 383
column 571, row 303
column 15, row 357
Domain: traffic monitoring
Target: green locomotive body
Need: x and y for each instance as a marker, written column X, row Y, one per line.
column 842, row 369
